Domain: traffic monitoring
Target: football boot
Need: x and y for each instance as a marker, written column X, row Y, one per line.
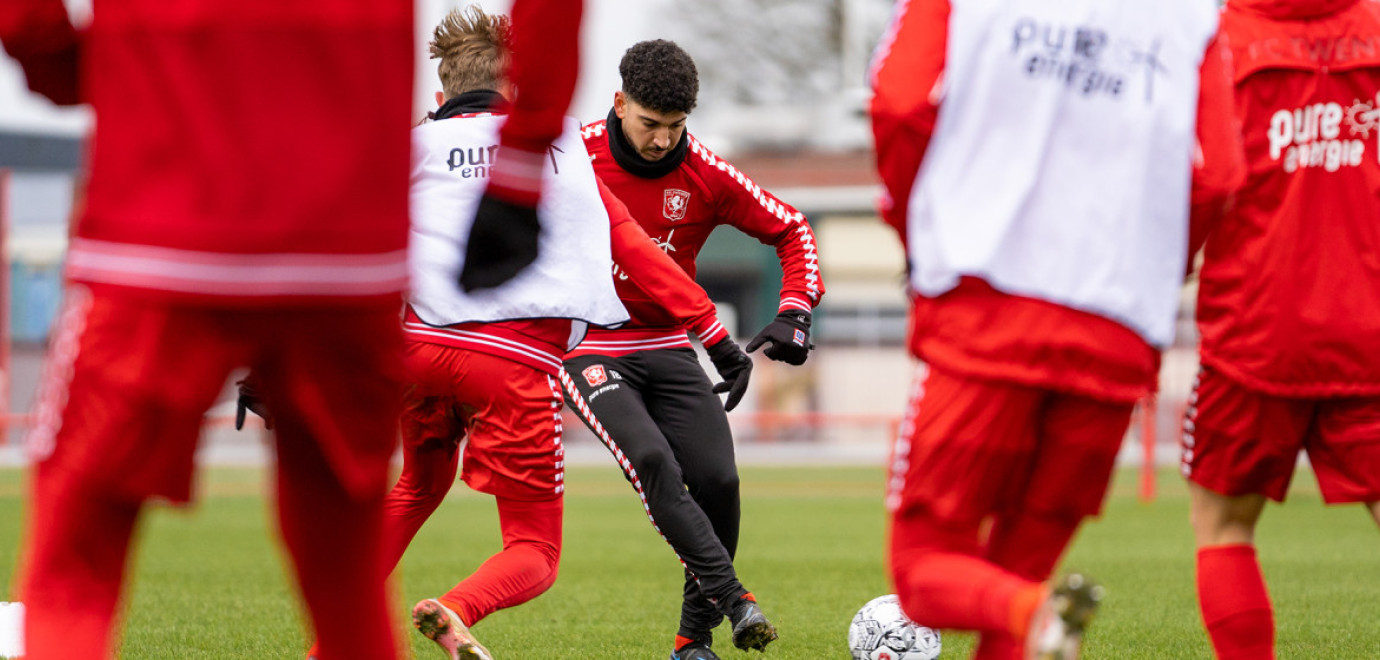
column 694, row 651
column 1056, row 632
column 443, row 626
column 751, row 629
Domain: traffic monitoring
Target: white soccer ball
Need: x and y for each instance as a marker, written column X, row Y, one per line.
column 881, row 632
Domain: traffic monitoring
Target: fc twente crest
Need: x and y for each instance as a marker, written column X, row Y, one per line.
column 595, row 375
column 675, row 203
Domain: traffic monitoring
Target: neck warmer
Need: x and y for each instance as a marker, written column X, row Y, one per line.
column 475, row 100
column 627, row 157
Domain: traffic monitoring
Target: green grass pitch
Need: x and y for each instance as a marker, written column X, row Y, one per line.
column 210, row 584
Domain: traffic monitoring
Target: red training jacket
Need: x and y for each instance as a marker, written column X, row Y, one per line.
column 246, row 151
column 679, row 210
column 1289, row 301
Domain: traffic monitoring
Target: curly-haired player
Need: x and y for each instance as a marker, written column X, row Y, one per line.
column 663, row 418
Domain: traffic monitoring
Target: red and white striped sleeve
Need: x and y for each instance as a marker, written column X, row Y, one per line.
column 657, row 276
column 748, row 207
column 907, row 75
column 39, row 35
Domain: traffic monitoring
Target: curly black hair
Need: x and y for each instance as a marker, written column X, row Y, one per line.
column 660, row 75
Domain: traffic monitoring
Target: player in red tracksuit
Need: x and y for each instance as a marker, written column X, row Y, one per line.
column 1037, row 158
column 247, row 207
column 1287, row 299
column 664, row 424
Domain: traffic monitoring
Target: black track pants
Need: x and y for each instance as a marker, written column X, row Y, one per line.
column 657, row 414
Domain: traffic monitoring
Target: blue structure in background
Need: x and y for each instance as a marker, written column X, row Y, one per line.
column 35, row 294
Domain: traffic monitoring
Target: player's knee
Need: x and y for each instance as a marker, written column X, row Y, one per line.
column 416, row 495
column 720, row 485
column 917, row 602
column 655, row 463
column 544, row 563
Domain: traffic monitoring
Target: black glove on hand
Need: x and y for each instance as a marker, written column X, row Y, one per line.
column 502, row 242
column 734, row 366
column 249, row 401
column 789, row 335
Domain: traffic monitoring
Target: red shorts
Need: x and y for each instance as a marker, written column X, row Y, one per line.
column 128, row 380
column 1237, row 441
column 508, row 413
column 971, row 448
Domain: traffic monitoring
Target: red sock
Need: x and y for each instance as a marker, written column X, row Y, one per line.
column 523, row 570
column 1235, row 605
column 941, row 582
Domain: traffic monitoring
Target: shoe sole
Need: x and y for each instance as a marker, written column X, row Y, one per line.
column 434, row 621
column 756, row 634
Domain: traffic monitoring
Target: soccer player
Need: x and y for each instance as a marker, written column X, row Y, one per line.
column 1287, row 300
column 1037, row 159
column 663, row 422
column 247, row 207
column 485, row 367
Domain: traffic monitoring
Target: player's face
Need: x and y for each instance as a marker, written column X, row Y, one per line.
column 650, row 132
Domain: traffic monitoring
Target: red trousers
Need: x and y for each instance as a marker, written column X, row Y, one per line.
column 504, row 419
column 118, row 418
column 989, row 481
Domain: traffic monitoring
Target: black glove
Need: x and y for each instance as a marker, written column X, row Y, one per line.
column 249, row 401
column 734, row 366
column 502, row 242
column 789, row 335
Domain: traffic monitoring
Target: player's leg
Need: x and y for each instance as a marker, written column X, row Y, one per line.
column 336, row 397
column 524, row 569
column 692, row 418
column 1078, row 439
column 1232, row 596
column 1239, row 448
column 515, row 454
column 616, row 411
column 118, row 414
column 961, row 449
column 431, row 433
column 1047, row 535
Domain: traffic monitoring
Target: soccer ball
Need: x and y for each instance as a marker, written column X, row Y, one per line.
column 881, row 632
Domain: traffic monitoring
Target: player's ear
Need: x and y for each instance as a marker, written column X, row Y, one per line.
column 440, row 99
column 620, row 104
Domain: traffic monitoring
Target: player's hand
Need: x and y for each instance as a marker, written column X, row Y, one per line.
column 502, row 242
column 734, row 366
column 249, row 401
column 788, row 336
